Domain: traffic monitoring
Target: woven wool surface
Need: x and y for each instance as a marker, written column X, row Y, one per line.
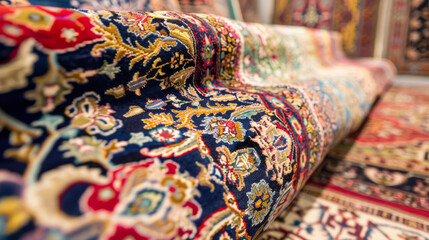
column 374, row 185
column 163, row 125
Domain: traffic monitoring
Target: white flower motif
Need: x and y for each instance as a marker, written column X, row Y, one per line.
column 69, row 34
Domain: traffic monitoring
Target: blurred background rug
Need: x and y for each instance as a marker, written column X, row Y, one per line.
column 356, row 20
column 408, row 39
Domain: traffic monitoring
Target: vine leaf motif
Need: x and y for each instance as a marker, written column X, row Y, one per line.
column 91, row 149
column 157, row 119
column 184, row 35
column 185, row 116
column 51, row 122
column 247, row 112
column 138, row 53
column 191, row 142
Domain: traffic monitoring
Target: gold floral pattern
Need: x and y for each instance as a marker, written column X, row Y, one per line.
column 87, row 114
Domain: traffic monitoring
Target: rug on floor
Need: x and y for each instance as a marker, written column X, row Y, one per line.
column 374, row 185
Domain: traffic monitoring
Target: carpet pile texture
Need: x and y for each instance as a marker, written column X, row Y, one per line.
column 164, row 125
column 375, row 184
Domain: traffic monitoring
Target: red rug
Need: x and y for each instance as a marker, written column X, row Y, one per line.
column 375, row 185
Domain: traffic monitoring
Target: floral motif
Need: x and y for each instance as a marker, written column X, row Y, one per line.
column 224, row 130
column 153, row 196
column 39, row 22
column 13, row 213
column 276, row 145
column 137, row 22
column 177, row 60
column 385, row 178
column 260, row 201
column 110, row 70
column 166, row 134
column 87, row 148
column 178, row 79
column 139, row 139
column 237, row 165
column 87, row 114
column 69, row 34
column 13, row 74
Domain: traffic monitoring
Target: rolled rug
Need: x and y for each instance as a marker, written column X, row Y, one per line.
column 163, row 125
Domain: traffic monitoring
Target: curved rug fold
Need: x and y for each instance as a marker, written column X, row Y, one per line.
column 162, row 125
column 374, row 185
